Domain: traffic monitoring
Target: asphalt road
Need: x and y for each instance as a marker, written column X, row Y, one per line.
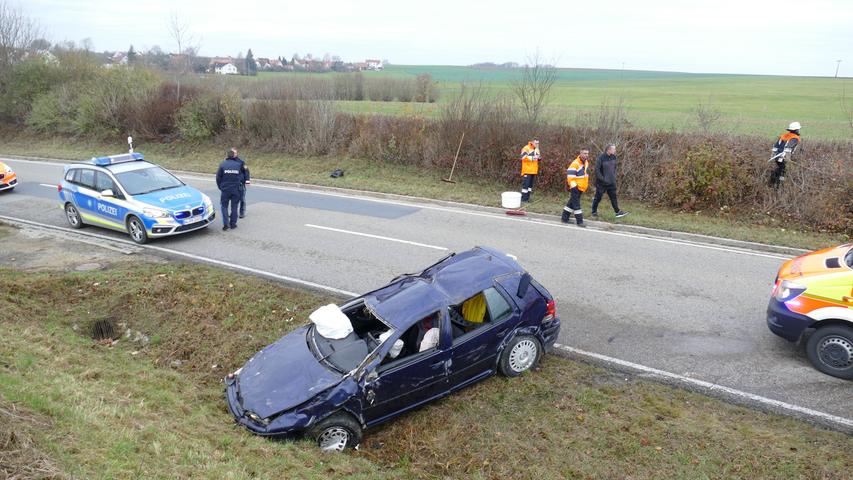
column 688, row 309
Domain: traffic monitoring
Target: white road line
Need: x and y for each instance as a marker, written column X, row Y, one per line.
column 528, row 221
column 379, row 237
column 713, row 387
column 47, row 185
column 191, row 256
column 769, row 402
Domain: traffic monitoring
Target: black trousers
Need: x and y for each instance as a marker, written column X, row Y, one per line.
column 527, row 182
column 600, row 190
column 573, row 206
column 777, row 176
column 243, row 200
column 226, row 198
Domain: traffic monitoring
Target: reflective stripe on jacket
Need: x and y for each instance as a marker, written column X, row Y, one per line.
column 577, row 175
column 530, row 160
column 787, row 143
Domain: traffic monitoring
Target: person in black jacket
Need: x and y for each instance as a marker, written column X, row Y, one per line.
column 605, row 181
column 246, row 181
column 229, row 180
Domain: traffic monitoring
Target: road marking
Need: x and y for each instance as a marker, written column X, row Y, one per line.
column 47, row 185
column 191, row 256
column 413, row 203
column 712, row 387
column 379, row 237
column 661, row 374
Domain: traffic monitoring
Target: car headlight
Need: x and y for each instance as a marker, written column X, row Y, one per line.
column 8, row 169
column 788, row 290
column 155, row 213
column 257, row 418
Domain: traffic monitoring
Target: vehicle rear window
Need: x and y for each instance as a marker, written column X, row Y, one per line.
column 498, row 306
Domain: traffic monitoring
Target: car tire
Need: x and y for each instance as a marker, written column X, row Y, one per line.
column 136, row 230
column 336, row 432
column 73, row 216
column 830, row 349
column 521, row 354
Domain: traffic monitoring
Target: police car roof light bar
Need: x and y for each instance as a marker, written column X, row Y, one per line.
column 113, row 159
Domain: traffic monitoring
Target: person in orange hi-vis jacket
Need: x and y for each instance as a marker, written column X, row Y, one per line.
column 577, row 178
column 782, row 150
column 529, row 168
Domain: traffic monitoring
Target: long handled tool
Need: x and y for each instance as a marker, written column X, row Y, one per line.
column 450, row 178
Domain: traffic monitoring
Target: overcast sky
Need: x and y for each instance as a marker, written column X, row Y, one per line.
column 745, row 36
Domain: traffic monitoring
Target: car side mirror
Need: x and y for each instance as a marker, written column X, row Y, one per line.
column 108, row 193
column 523, row 285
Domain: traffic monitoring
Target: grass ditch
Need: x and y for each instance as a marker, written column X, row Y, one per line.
column 150, row 405
column 368, row 175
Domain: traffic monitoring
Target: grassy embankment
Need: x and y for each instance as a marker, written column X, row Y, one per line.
column 748, row 104
column 150, row 406
column 373, row 176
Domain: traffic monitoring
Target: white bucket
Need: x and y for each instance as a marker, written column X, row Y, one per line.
column 511, row 199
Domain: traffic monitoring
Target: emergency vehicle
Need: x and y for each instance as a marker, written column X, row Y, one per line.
column 8, row 179
column 126, row 193
column 812, row 300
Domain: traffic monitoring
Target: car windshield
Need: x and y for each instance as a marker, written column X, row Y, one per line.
column 147, row 180
column 343, row 354
column 344, row 349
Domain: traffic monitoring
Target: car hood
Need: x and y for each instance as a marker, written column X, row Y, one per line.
column 178, row 198
column 282, row 376
column 828, row 260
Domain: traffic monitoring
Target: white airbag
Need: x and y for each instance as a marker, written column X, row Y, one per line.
column 331, row 322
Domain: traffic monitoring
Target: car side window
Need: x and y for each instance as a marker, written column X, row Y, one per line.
column 420, row 338
column 69, row 177
column 86, row 178
column 104, row 182
column 499, row 308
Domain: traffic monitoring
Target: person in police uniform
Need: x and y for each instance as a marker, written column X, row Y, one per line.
column 246, row 181
column 229, row 180
column 529, row 168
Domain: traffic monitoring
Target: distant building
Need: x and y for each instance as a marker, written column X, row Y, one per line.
column 226, row 69
column 373, row 64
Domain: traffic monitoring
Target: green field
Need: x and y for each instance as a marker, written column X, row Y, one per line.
column 749, row 104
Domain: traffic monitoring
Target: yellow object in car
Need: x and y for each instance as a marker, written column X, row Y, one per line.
column 474, row 309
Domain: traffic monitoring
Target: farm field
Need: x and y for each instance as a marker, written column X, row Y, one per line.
column 748, row 104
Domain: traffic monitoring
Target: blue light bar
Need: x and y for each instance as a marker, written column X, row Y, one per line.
column 113, row 159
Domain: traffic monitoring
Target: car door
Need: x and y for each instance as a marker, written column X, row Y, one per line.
column 473, row 354
column 406, row 383
column 110, row 209
column 85, row 194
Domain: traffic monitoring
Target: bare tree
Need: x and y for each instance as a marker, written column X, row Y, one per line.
column 533, row 89
column 180, row 32
column 17, row 32
column 707, row 117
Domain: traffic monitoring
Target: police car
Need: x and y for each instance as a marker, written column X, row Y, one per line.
column 126, row 193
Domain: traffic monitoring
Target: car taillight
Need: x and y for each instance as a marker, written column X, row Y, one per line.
column 551, row 310
column 59, row 187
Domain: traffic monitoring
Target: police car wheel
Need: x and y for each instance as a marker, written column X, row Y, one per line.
column 73, row 216
column 136, row 230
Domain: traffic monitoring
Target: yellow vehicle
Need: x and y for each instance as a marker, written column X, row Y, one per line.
column 8, row 179
column 812, row 300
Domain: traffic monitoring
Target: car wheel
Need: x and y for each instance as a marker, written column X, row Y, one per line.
column 336, row 432
column 73, row 216
column 520, row 355
column 137, row 230
column 830, row 349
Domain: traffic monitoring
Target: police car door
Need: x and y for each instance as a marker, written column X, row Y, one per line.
column 85, row 194
column 109, row 203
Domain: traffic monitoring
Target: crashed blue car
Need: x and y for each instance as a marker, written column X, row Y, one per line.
column 417, row 339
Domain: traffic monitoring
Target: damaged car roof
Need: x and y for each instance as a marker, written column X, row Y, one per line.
column 450, row 281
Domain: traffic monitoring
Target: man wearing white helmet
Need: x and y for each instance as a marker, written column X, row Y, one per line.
column 782, row 149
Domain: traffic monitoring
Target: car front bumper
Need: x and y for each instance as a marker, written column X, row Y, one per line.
column 6, row 185
column 785, row 323
column 168, row 229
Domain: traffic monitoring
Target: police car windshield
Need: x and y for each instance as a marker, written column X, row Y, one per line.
column 147, row 180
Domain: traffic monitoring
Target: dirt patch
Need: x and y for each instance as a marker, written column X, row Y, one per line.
column 20, row 457
column 36, row 249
